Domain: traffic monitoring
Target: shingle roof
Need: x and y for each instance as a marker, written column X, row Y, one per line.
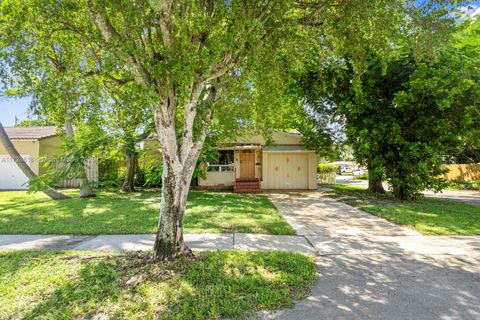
column 30, row 133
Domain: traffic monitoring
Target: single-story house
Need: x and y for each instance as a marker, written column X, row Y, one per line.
column 251, row 165
column 34, row 144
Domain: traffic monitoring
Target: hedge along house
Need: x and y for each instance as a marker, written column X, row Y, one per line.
column 35, row 144
column 250, row 165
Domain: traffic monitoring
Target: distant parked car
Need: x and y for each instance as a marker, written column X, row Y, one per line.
column 343, row 169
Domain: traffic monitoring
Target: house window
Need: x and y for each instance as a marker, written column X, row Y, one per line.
column 225, row 162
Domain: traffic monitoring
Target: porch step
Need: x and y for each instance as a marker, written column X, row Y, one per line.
column 247, row 180
column 247, row 190
column 247, row 186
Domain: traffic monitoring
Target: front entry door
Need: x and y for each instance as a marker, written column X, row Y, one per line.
column 247, row 164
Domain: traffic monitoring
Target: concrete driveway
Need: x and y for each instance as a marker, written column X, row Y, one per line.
column 372, row 269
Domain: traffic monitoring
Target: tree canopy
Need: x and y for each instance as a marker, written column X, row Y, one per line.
column 407, row 114
column 202, row 67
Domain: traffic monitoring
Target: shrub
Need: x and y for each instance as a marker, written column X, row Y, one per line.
column 327, row 168
column 110, row 175
column 149, row 176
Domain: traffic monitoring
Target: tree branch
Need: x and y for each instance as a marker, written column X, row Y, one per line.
column 165, row 23
column 109, row 33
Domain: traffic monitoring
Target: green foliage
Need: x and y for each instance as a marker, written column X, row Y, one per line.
column 34, row 123
column 467, row 55
column 464, row 185
column 74, row 285
column 87, row 142
column 52, row 67
column 327, row 168
column 149, row 176
column 209, row 154
column 109, row 174
column 406, row 116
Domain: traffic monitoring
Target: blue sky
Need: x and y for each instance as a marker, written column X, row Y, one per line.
column 11, row 108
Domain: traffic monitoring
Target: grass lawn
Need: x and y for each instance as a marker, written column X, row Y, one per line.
column 464, row 185
column 74, row 285
column 121, row 213
column 428, row 216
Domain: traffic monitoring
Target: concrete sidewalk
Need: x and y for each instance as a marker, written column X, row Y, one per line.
column 132, row 242
column 306, row 244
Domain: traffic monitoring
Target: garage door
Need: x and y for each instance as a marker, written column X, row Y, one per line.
column 11, row 177
column 287, row 171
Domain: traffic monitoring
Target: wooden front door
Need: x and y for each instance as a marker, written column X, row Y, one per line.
column 247, row 164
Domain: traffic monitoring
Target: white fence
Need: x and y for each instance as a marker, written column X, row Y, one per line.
column 92, row 175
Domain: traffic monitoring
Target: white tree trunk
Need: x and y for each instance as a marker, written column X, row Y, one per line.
column 175, row 187
column 179, row 162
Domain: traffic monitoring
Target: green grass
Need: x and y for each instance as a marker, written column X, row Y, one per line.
column 428, row 216
column 68, row 285
column 122, row 213
column 464, row 185
column 361, row 177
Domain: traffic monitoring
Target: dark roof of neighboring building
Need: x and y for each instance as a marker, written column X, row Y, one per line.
column 31, row 133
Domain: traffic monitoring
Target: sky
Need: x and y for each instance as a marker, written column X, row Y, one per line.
column 13, row 107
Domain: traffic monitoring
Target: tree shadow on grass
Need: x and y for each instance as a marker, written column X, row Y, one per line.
column 229, row 212
column 98, row 283
column 215, row 284
column 82, row 216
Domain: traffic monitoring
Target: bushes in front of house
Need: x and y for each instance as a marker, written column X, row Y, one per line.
column 326, row 173
column 327, row 168
column 149, row 176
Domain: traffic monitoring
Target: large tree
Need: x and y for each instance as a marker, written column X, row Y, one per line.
column 406, row 114
column 191, row 56
column 215, row 66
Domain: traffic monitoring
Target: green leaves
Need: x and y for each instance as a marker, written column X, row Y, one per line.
column 403, row 115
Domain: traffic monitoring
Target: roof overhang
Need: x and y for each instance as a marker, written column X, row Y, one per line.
column 30, row 133
column 286, row 149
column 241, row 147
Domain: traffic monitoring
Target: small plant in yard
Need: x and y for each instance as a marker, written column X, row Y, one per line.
column 224, row 284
